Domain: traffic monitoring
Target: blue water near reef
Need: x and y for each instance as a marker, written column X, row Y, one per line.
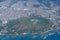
column 5, row 37
column 53, row 37
column 24, row 37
